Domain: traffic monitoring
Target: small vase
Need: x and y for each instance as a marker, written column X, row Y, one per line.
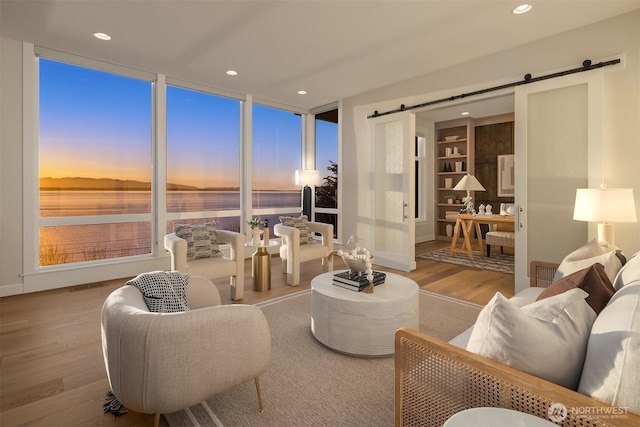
column 256, row 236
column 450, row 201
column 449, row 230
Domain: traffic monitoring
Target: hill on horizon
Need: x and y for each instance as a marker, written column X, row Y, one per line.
column 111, row 184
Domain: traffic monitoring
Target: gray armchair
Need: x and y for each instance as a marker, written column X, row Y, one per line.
column 213, row 268
column 158, row 363
column 293, row 253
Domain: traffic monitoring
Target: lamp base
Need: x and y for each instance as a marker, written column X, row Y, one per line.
column 605, row 234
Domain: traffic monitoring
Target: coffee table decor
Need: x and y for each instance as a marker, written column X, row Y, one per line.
column 359, row 262
column 355, row 282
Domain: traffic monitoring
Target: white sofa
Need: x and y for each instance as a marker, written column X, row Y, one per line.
column 435, row 379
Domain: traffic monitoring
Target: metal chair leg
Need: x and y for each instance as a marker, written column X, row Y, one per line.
column 257, row 381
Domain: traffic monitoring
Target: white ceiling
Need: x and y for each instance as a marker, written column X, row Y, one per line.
column 332, row 49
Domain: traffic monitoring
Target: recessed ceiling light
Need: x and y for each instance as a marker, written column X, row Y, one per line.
column 102, row 36
column 232, row 72
column 523, row 8
column 302, row 92
column 464, row 113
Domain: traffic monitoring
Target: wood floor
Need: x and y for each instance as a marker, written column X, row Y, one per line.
column 51, row 367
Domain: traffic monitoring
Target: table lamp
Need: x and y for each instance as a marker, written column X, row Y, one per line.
column 306, row 178
column 605, row 205
column 468, row 183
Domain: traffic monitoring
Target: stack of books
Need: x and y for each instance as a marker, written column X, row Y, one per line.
column 356, row 283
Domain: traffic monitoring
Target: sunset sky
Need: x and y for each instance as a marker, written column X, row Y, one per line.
column 98, row 125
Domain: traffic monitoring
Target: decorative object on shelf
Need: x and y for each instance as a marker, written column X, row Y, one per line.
column 449, row 229
column 449, row 198
column 451, row 138
column 459, row 166
column 481, row 209
column 489, row 209
column 455, row 151
column 605, row 205
column 468, row 183
column 448, row 182
column 447, row 151
column 359, row 261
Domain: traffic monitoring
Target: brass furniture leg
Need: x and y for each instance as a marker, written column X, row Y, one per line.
column 257, row 381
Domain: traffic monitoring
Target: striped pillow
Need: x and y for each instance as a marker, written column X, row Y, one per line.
column 202, row 240
column 299, row 222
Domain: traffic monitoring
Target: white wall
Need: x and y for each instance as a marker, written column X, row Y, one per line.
column 616, row 36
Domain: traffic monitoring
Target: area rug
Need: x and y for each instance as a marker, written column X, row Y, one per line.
column 308, row 384
column 496, row 262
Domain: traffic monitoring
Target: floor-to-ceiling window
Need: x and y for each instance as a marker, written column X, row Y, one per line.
column 203, row 158
column 95, row 164
column 326, row 203
column 276, row 154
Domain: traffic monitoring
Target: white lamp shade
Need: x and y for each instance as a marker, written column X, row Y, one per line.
column 605, row 205
column 307, row 177
column 469, row 183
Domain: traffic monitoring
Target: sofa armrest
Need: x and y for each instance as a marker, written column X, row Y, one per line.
column 177, row 247
column 435, row 380
column 541, row 273
column 235, row 242
column 290, row 235
column 326, row 231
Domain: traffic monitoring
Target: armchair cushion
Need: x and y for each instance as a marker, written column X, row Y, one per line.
column 535, row 337
column 163, row 291
column 202, row 241
column 301, row 223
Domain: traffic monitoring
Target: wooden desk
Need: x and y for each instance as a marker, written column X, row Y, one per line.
column 468, row 222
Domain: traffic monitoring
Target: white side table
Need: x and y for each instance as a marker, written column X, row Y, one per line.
column 495, row 417
column 363, row 324
column 261, row 265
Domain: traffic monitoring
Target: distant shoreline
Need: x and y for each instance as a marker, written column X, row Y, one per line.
column 110, row 184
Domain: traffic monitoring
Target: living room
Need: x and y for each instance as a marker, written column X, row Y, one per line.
column 614, row 37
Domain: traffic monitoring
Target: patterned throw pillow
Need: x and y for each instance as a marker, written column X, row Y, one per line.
column 163, row 291
column 299, row 222
column 202, row 240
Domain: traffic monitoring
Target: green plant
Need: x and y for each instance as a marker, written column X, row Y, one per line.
column 449, row 196
column 254, row 222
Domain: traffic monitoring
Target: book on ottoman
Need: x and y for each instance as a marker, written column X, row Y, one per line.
column 355, row 282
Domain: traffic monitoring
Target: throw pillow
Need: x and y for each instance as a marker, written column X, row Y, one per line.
column 299, row 222
column 183, row 231
column 592, row 280
column 536, row 337
column 589, row 254
column 202, row 241
column 163, row 291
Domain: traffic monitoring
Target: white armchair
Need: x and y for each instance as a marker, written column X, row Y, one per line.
column 213, row 268
column 293, row 253
column 158, row 363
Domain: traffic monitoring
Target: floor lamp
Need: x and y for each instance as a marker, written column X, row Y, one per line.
column 307, row 178
column 605, row 205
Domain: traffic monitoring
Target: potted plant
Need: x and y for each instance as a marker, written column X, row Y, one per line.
column 254, row 224
column 450, row 198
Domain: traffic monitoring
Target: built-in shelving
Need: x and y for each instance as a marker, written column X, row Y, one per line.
column 454, row 158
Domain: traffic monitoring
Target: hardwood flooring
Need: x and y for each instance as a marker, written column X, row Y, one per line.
column 51, row 367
